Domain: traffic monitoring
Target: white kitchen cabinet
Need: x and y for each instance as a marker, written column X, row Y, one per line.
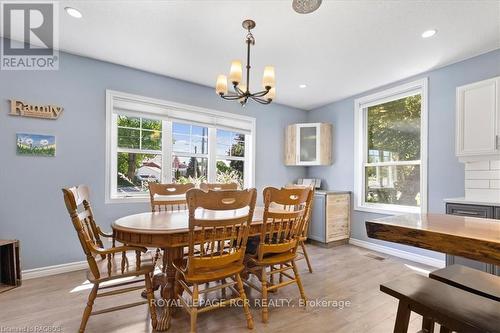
column 478, row 121
column 308, row 144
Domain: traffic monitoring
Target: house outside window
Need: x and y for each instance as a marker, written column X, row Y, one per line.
column 391, row 150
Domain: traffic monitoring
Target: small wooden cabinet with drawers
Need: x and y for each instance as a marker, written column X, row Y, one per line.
column 331, row 218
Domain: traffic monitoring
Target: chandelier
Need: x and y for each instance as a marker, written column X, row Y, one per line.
column 241, row 91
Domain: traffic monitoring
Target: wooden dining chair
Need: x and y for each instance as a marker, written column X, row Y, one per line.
column 215, row 217
column 218, row 186
column 278, row 243
column 302, row 251
column 107, row 265
column 168, row 197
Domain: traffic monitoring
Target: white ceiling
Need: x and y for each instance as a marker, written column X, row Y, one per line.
column 344, row 48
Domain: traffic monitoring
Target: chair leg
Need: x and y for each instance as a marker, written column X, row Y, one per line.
column 444, row 329
column 151, row 299
column 223, row 291
column 194, row 308
column 402, row 318
column 244, row 298
column 299, row 281
column 303, row 246
column 265, row 310
column 88, row 308
column 427, row 325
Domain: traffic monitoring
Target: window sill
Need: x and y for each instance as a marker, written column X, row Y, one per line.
column 392, row 210
column 131, row 199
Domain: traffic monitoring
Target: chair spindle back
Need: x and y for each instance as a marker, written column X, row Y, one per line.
column 78, row 205
column 219, row 222
column 168, row 197
column 283, row 226
column 218, row 186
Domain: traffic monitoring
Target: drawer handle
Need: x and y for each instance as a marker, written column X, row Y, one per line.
column 466, row 212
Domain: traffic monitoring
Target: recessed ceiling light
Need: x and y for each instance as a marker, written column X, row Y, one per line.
column 73, row 12
column 429, row 33
column 302, row 86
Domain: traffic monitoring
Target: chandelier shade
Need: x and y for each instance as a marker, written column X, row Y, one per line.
column 240, row 87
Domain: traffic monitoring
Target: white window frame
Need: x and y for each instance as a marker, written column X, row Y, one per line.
column 360, row 147
column 169, row 112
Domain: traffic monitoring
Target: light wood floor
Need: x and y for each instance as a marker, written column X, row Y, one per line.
column 343, row 273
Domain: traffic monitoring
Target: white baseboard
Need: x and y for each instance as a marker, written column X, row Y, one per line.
column 53, row 270
column 399, row 253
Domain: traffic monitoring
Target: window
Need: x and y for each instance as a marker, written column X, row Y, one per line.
column 189, row 153
column 391, row 150
column 150, row 140
column 230, row 157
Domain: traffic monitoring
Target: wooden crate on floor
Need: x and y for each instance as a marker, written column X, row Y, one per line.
column 10, row 269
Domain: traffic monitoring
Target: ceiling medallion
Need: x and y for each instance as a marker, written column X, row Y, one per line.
column 241, row 92
column 305, row 6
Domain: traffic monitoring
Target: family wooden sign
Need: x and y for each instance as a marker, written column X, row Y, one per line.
column 20, row 108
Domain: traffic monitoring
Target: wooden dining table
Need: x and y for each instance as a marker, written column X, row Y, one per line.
column 169, row 231
column 469, row 237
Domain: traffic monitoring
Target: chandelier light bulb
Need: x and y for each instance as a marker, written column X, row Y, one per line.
column 221, row 85
column 236, row 73
column 268, row 77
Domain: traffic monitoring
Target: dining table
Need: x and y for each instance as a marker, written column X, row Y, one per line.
column 470, row 237
column 169, row 231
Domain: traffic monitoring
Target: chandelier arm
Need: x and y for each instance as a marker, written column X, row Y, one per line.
column 261, row 93
column 230, row 97
column 239, row 91
column 260, row 100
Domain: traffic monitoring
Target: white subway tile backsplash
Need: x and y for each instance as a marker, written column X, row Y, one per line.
column 491, row 174
column 494, row 165
column 490, row 195
column 477, row 183
column 480, row 165
column 482, row 181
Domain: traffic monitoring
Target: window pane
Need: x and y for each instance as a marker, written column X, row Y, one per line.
column 230, row 172
column 199, row 145
column 396, row 185
column 190, row 139
column 151, row 124
column 198, row 130
column 151, row 140
column 125, row 121
column 135, row 171
column 178, row 128
column 129, row 138
column 230, row 143
column 307, row 144
column 181, row 143
column 394, row 130
column 189, row 169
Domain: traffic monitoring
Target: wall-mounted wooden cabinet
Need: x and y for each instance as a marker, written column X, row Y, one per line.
column 478, row 120
column 308, row 144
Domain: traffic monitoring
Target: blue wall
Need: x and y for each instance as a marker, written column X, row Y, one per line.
column 445, row 173
column 31, row 202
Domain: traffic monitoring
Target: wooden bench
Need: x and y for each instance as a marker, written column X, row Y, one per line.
column 454, row 309
column 471, row 280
